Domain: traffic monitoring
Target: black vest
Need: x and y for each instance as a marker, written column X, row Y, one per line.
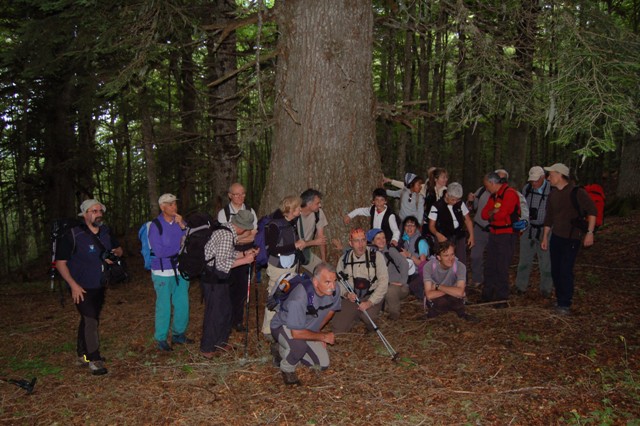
column 444, row 222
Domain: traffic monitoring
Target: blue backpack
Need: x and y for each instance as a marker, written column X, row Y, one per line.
column 287, row 283
column 143, row 236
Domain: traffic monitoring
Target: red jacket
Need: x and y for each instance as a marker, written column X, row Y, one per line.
column 507, row 202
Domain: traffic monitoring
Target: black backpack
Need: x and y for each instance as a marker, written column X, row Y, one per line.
column 191, row 260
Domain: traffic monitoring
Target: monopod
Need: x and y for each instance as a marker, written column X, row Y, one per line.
column 345, row 283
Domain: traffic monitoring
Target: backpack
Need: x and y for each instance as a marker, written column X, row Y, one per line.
column 143, row 236
column 260, row 241
column 281, row 292
column 362, row 286
column 191, row 260
column 59, row 229
column 228, row 214
column 596, row 193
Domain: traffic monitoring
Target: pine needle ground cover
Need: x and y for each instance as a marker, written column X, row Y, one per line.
column 521, row 365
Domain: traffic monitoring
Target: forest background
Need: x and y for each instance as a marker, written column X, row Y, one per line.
column 126, row 100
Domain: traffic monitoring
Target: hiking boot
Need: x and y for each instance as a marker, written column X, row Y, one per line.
column 562, row 310
column 290, row 378
column 275, row 353
column 164, row 346
column 546, row 294
column 502, row 305
column 181, row 339
column 82, row 361
column 97, row 368
column 239, row 327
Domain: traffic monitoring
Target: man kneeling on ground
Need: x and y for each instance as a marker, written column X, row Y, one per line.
column 444, row 283
column 297, row 325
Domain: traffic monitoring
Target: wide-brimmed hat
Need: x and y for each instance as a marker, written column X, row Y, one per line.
column 560, row 168
column 87, row 204
column 243, row 219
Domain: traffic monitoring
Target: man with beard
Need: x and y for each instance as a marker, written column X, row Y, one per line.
column 82, row 263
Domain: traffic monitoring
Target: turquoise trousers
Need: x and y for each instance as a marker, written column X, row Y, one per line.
column 169, row 293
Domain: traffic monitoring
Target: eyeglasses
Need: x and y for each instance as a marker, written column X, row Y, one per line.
column 241, row 194
column 96, row 211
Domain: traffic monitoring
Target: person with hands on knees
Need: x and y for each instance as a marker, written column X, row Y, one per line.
column 297, row 326
column 366, row 272
column 444, row 283
column 81, row 262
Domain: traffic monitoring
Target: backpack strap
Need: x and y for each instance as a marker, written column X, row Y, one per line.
column 389, row 258
column 311, row 293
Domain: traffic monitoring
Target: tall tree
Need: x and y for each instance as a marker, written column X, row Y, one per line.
column 324, row 110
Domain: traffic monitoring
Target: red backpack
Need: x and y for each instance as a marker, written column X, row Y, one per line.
column 596, row 193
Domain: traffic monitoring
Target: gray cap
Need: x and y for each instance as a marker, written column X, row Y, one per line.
column 535, row 173
column 87, row 204
column 243, row 219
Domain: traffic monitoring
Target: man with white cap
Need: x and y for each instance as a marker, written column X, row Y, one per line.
column 536, row 192
column 80, row 260
column 561, row 236
column 165, row 236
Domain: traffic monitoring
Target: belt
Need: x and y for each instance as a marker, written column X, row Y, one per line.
column 482, row 228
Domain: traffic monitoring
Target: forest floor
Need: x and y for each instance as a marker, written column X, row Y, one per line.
column 523, row 365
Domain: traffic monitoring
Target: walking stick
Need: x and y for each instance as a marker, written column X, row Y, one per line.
column 27, row 385
column 343, row 280
column 246, row 337
column 257, row 274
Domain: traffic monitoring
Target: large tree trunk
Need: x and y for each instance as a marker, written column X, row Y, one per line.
column 324, row 112
column 628, row 184
column 148, row 141
column 224, row 152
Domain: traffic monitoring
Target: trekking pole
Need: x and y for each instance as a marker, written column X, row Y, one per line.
column 246, row 337
column 53, row 271
column 24, row 384
column 258, row 279
column 343, row 280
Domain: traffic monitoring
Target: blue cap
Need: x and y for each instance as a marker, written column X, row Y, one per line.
column 371, row 234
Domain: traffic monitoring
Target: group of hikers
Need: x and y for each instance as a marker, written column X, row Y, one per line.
column 421, row 250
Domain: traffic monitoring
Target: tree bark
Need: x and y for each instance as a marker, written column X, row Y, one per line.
column 324, row 111
column 222, row 111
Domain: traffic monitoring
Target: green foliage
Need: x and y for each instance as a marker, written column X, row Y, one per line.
column 33, row 366
column 531, row 338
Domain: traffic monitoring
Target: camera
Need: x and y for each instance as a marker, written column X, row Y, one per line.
column 107, row 255
column 533, row 213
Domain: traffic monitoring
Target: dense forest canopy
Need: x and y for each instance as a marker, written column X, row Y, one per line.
column 124, row 100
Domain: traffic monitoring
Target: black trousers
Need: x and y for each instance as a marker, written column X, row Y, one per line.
column 88, row 338
column 238, row 292
column 500, row 250
column 216, row 325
